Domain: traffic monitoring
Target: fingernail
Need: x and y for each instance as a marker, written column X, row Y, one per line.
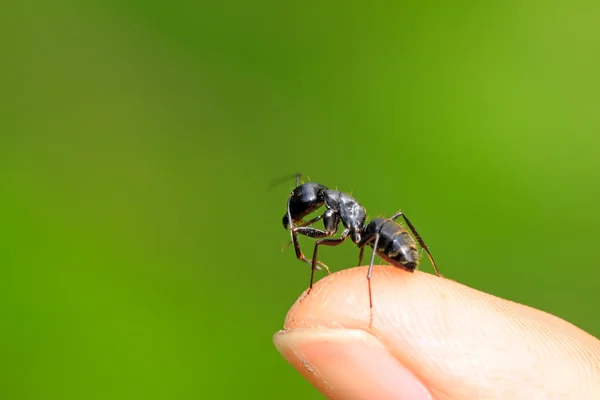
column 348, row 364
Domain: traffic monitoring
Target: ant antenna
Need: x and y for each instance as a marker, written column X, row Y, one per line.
column 289, row 215
column 286, row 245
column 278, row 181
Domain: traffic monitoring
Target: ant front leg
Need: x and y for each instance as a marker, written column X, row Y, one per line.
column 326, row 242
column 418, row 237
column 299, row 255
column 312, row 221
column 303, row 224
column 331, row 221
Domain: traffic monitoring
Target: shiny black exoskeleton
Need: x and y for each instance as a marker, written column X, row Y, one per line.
column 395, row 245
column 304, row 199
column 390, row 240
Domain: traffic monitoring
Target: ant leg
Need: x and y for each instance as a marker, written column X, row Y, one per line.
column 362, row 249
column 326, row 242
column 331, row 221
column 312, row 221
column 315, row 234
column 419, row 239
column 312, row 232
column 304, row 223
column 293, row 229
column 300, row 256
column 369, row 279
column 360, row 256
column 371, row 266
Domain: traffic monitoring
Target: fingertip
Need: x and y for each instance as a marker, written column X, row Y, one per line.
column 460, row 342
column 348, row 364
column 342, row 298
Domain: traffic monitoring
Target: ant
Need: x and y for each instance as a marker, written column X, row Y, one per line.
column 390, row 240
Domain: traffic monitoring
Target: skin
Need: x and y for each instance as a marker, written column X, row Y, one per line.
column 433, row 338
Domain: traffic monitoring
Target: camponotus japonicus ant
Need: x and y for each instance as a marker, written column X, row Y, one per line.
column 390, row 240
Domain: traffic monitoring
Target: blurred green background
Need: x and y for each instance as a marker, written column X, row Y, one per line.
column 140, row 252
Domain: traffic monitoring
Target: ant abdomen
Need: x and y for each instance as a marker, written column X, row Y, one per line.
column 395, row 245
column 403, row 250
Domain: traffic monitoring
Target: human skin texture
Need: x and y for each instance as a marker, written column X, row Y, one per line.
column 433, row 338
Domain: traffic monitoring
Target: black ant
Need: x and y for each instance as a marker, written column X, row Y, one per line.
column 389, row 240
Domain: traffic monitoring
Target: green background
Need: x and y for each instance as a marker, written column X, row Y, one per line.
column 140, row 252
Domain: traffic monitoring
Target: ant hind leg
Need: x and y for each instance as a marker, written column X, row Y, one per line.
column 418, row 237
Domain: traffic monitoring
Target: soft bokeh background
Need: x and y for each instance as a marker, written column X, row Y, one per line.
column 140, row 252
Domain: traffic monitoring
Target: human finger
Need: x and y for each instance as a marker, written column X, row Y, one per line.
column 455, row 341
